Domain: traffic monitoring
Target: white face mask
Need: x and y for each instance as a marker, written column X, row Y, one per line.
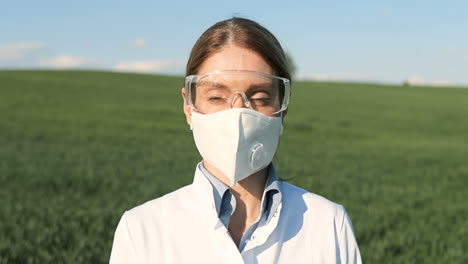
column 238, row 142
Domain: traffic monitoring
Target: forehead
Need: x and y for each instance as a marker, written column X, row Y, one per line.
column 237, row 79
column 219, row 82
column 235, row 58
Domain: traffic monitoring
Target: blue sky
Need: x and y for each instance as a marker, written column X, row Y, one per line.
column 425, row 42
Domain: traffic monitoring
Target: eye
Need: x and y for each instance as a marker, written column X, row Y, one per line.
column 261, row 99
column 260, row 96
column 215, row 98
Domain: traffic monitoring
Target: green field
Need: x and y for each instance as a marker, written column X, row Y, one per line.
column 77, row 149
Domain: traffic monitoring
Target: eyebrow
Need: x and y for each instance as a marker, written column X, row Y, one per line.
column 213, row 84
column 253, row 87
column 260, row 86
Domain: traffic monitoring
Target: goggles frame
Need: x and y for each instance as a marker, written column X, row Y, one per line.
column 195, row 77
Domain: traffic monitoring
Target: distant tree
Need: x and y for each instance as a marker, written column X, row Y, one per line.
column 406, row 83
column 291, row 65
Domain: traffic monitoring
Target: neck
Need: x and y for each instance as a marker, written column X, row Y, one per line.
column 248, row 193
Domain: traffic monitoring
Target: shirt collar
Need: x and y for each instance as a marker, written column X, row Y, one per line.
column 272, row 182
column 272, row 186
column 272, row 195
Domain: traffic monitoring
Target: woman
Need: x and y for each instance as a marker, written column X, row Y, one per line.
column 236, row 211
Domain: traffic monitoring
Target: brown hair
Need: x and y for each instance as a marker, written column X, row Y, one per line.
column 243, row 33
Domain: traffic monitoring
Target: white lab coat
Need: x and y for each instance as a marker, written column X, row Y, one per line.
column 183, row 227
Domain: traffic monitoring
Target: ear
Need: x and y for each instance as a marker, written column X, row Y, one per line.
column 187, row 111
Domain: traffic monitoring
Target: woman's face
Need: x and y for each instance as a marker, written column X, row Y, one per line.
column 231, row 58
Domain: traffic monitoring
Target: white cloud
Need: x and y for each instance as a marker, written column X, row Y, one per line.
column 354, row 77
column 418, row 80
column 17, row 51
column 466, row 58
column 139, row 43
column 67, row 61
column 345, row 76
column 452, row 50
column 151, row 66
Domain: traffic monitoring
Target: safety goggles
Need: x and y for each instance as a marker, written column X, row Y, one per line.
column 221, row 90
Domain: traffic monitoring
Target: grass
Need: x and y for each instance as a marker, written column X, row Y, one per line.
column 79, row 148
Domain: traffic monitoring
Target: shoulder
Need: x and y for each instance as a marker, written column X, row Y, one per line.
column 319, row 224
column 156, row 223
column 146, row 224
column 166, row 206
column 311, row 203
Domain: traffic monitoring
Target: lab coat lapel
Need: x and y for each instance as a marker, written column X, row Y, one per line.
column 204, row 191
column 223, row 242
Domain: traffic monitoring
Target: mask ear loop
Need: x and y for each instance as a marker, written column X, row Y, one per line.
column 281, row 116
column 191, row 118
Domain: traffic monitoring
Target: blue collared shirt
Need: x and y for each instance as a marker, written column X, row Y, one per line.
column 225, row 202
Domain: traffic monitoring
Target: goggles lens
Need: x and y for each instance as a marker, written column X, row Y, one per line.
column 221, row 90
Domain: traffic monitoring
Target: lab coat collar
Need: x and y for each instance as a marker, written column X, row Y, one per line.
column 207, row 205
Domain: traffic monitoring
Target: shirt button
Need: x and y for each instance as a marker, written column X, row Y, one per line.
column 252, row 238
